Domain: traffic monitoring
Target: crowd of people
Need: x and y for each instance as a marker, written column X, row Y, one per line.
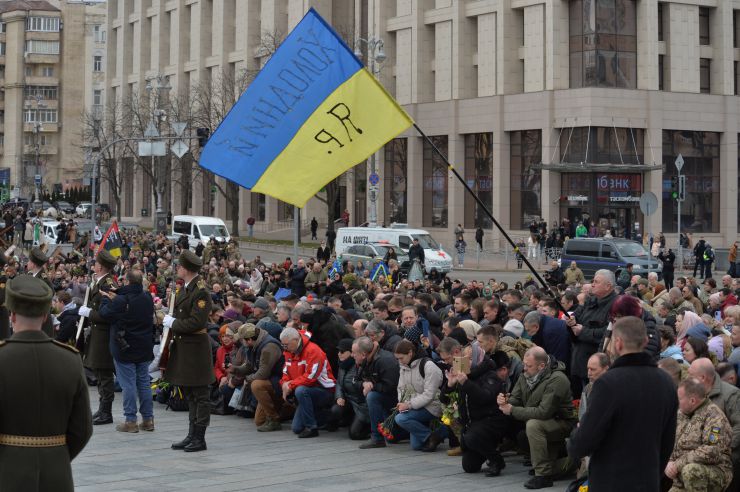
column 485, row 368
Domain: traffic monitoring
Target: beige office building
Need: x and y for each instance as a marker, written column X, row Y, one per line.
column 550, row 109
column 43, row 91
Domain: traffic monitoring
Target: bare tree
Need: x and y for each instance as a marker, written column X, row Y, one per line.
column 100, row 130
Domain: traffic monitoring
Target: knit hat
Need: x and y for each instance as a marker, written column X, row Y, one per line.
column 643, row 281
column 471, row 328
column 345, row 345
column 699, row 331
column 262, row 304
column 515, row 327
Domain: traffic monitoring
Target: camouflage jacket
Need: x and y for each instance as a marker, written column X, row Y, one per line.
column 704, row 437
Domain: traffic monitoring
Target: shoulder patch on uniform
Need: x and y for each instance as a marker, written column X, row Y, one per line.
column 64, row 345
column 201, row 304
column 201, row 284
column 714, row 435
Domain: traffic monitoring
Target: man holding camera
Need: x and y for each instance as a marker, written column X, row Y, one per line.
column 130, row 310
column 97, row 351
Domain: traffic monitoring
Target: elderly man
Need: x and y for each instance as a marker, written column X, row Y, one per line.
column 379, row 372
column 726, row 397
column 643, row 288
column 677, row 302
column 588, row 324
column 551, row 334
column 688, row 295
column 574, row 275
column 542, row 401
column 384, row 333
column 701, row 454
column 629, row 440
column 306, row 375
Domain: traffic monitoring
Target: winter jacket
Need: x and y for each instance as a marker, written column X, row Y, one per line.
column 554, row 337
column 477, row 395
column 673, row 351
column 309, row 367
column 727, row 398
column 68, row 320
column 297, row 277
column 382, row 370
column 218, row 368
column 629, row 426
column 131, row 311
column 550, row 398
column 265, row 359
column 421, row 392
column 593, row 315
column 349, row 387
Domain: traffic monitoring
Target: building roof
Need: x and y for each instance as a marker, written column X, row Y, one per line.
column 11, row 5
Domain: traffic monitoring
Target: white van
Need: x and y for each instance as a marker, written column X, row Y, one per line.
column 399, row 235
column 198, row 228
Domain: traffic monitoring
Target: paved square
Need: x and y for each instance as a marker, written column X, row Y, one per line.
column 240, row 458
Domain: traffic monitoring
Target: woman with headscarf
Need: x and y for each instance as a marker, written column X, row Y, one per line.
column 689, row 324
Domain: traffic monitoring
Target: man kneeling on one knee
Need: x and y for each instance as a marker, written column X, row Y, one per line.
column 307, row 381
column 263, row 369
column 542, row 402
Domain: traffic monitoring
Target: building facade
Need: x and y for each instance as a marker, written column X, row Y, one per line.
column 549, row 109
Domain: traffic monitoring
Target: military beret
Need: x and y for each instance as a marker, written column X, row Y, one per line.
column 106, row 259
column 248, row 331
column 189, row 261
column 28, row 296
column 38, row 257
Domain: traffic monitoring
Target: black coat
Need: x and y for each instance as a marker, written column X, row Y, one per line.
column 383, row 371
column 629, row 427
column 130, row 312
column 593, row 315
column 297, row 276
column 67, row 326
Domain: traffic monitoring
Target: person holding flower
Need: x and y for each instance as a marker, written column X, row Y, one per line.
column 471, row 398
column 418, row 397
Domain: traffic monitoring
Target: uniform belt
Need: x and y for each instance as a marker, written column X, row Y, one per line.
column 33, row 441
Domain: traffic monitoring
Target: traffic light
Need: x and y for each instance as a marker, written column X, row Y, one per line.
column 674, row 187
column 681, row 188
column 203, row 135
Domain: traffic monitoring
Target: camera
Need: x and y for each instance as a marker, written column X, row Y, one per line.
column 121, row 340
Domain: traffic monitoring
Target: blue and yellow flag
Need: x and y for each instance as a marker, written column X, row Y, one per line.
column 311, row 113
column 380, row 268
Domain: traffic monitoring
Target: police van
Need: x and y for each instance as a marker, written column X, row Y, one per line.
column 198, row 228
column 399, row 235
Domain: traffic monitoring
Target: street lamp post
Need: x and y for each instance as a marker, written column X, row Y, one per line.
column 162, row 85
column 376, row 56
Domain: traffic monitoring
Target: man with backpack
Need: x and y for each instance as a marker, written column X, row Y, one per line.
column 263, row 370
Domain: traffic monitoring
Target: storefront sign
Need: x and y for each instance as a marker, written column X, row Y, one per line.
column 624, row 198
column 619, row 182
column 577, row 198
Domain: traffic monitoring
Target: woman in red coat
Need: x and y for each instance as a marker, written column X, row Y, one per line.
column 223, row 354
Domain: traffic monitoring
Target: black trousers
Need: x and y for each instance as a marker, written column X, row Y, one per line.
column 698, row 264
column 105, row 384
column 479, row 443
column 199, row 404
column 668, row 279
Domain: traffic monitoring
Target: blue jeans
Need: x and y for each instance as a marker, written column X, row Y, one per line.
column 134, row 380
column 416, row 423
column 310, row 402
column 379, row 407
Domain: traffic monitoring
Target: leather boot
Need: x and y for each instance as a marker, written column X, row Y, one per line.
column 181, row 445
column 198, row 442
column 104, row 414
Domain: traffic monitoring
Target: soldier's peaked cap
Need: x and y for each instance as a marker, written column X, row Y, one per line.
column 28, row 296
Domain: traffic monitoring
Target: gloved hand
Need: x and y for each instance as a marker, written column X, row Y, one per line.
column 168, row 320
column 84, row 311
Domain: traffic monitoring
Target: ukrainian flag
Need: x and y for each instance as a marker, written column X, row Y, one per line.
column 312, row 113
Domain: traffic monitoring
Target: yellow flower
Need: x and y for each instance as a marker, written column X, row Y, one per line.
column 446, row 420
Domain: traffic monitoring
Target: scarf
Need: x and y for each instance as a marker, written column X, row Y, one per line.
column 533, row 380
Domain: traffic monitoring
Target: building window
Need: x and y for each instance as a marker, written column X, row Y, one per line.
column 661, row 72
column 49, row 93
column 705, row 75
column 40, row 116
column 434, row 197
column 31, row 139
column 285, row 211
column 98, row 97
column 602, row 145
column 3, row 27
column 258, row 206
column 735, row 27
column 98, row 33
column 737, row 82
column 526, row 182
column 44, row 24
column 704, row 26
column 28, row 71
column 98, row 63
column 479, row 176
column 603, row 43
column 701, row 210
column 396, row 161
column 2, row 49
column 42, row 47
column 660, row 22
column 47, row 71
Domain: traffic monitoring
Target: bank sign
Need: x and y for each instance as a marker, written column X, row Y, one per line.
column 619, row 188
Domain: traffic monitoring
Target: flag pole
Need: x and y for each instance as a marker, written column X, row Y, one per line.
column 490, row 216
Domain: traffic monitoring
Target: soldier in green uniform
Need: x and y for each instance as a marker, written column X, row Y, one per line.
column 4, row 315
column 701, row 458
column 190, row 364
column 44, row 403
column 36, row 261
column 97, row 349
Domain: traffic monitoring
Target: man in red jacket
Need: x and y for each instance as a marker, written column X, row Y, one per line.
column 307, row 381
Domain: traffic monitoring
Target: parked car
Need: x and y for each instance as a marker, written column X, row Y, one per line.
column 83, row 209
column 64, row 207
column 372, row 253
column 592, row 254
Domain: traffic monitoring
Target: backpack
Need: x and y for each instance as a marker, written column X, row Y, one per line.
column 423, row 362
column 514, row 346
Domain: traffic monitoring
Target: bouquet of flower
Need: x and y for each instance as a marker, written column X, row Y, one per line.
column 388, row 427
column 451, row 413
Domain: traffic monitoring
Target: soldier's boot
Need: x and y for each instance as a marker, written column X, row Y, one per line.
column 181, row 445
column 104, row 414
column 198, row 443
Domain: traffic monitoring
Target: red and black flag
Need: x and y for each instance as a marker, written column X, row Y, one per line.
column 112, row 241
